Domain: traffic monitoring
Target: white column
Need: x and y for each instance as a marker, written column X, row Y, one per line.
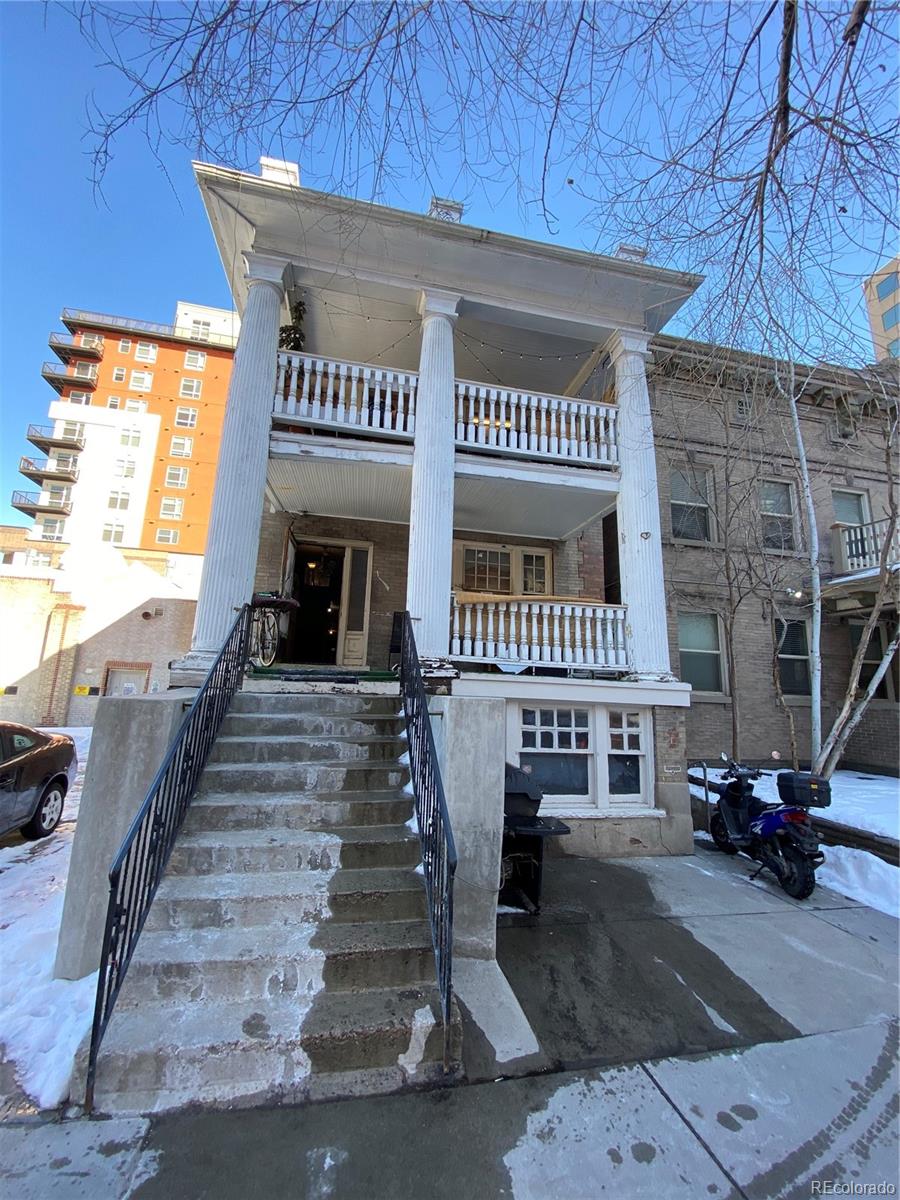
column 431, row 505
column 232, row 544
column 640, row 544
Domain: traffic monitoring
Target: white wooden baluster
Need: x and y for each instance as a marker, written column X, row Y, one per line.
column 619, row 623
column 582, row 422
column 460, row 416
column 568, row 655
column 556, row 645
column 455, row 643
column 307, row 378
column 502, row 614
column 578, row 650
column 490, row 641
column 282, row 364
column 402, row 383
column 590, row 658
column 521, row 442
column 534, row 641
column 467, row 630
column 328, row 409
column 512, row 641
column 481, row 423
column 479, row 631
column 411, row 406
column 546, row 650
column 613, row 434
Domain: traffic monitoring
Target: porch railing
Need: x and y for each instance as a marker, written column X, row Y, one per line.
column 535, row 425
column 858, row 547
column 550, row 631
column 345, row 395
column 435, row 834
column 138, row 867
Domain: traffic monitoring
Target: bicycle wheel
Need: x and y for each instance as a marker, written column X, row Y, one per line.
column 268, row 638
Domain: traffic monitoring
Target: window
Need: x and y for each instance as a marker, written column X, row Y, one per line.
column 176, row 477
column 38, row 558
column 113, row 533
column 171, row 507
column 625, row 757
column 891, row 317
column 534, row 574
column 191, row 389
column 114, row 402
column 872, row 656
column 887, row 286
column 849, row 507
column 7, row 558
column 690, row 506
column 84, row 370
column 793, row 657
column 201, row 330
column 130, row 437
column 507, row 570
column 133, row 405
column 118, row 374
column 94, row 340
column 146, row 352
column 58, row 495
column 195, row 360
column 700, row 652
column 743, row 408
column 126, row 679
column 777, row 509
column 557, row 748
column 20, row 742
column 79, row 397
column 64, row 461
column 181, row 447
column 52, row 529
column 894, row 348
column 487, row 570
column 168, row 537
column 185, row 418
column 123, row 468
column 119, row 500
column 125, row 346
column 141, row 381
column 72, row 431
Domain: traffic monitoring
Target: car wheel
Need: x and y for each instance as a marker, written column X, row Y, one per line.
column 47, row 814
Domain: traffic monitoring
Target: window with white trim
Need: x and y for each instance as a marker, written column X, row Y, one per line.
column 52, row 529
column 79, row 397
column 146, row 352
column 118, row 375
column 190, row 389
column 176, row 477
column 181, row 447
column 118, row 500
column 133, row 405
column 776, row 504
column 92, row 340
column 793, row 657
column 850, row 508
column 123, row 468
column 125, row 346
column 625, row 757
column 195, row 360
column 113, row 533
column 502, row 570
column 85, row 370
column 186, row 418
column 171, row 507
column 200, row 330
column 141, row 381
column 700, row 651
column 38, row 558
column 558, row 750
column 690, row 504
column 114, row 402
column 168, row 537
column 72, row 431
column 130, row 436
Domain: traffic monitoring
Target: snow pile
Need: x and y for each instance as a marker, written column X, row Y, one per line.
column 42, row 1019
column 862, row 877
column 870, row 802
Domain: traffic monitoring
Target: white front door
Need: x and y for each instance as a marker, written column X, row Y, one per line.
column 353, row 631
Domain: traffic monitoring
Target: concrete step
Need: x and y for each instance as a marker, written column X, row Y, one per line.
column 281, row 748
column 305, row 724
column 278, row 848
column 307, row 703
column 248, row 962
column 280, row 898
column 290, row 810
column 327, row 776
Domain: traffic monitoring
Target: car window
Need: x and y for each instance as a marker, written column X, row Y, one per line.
column 21, row 742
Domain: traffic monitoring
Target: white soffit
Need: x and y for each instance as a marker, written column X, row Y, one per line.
column 534, row 509
column 369, row 491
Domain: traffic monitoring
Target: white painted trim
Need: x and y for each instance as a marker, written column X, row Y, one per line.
column 532, row 689
column 298, row 445
column 348, row 544
column 566, row 473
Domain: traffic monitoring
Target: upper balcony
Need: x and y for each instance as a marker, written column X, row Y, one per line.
column 33, row 503
column 857, row 551
column 82, row 345
column 45, row 437
column 64, row 375
column 40, row 469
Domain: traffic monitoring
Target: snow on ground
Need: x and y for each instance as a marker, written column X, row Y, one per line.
column 862, row 877
column 870, row 802
column 42, row 1019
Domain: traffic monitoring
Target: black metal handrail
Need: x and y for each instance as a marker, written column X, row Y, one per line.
column 435, row 834
column 138, row 867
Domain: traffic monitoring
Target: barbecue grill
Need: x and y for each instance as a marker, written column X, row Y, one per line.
column 524, row 837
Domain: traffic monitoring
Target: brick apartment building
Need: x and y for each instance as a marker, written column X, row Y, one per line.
column 101, row 587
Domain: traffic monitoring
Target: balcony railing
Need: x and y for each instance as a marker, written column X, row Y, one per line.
column 182, row 333
column 59, row 375
column 859, row 547
column 67, row 345
column 39, row 469
column 363, row 398
column 552, row 631
column 34, row 502
column 46, row 435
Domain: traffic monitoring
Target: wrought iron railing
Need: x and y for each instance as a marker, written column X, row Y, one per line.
column 435, row 834
column 138, row 867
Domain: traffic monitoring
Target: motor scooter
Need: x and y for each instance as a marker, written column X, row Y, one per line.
column 779, row 837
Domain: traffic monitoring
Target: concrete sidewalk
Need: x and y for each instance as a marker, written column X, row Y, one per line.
column 699, row 1034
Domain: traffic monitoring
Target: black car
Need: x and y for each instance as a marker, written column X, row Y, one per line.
column 36, row 771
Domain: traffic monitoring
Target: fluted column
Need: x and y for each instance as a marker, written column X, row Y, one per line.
column 232, row 544
column 640, row 542
column 431, row 505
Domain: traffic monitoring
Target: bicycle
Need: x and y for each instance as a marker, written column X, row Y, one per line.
column 264, row 625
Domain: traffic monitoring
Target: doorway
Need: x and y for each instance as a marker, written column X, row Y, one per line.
column 317, row 584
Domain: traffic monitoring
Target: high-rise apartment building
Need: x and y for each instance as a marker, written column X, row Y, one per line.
column 882, row 292
column 122, row 477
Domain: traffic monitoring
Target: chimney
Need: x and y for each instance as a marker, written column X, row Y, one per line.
column 280, row 171
column 445, row 210
column 636, row 254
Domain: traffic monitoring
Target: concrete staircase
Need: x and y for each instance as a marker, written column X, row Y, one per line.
column 287, row 955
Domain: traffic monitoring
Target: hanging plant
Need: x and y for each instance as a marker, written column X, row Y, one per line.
column 292, row 337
